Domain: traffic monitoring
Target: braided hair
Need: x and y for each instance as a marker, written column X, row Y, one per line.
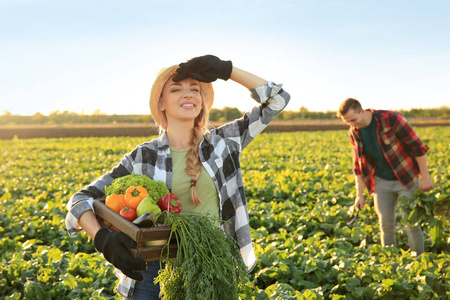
column 194, row 165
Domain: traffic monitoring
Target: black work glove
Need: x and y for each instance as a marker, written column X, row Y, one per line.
column 113, row 246
column 207, row 68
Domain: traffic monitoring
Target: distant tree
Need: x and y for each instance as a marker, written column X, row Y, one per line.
column 288, row 115
column 303, row 112
column 218, row 115
column 98, row 112
column 38, row 118
column 215, row 114
column 231, row 113
column 54, row 113
column 225, row 114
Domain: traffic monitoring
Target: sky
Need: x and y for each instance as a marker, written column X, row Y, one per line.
column 89, row 55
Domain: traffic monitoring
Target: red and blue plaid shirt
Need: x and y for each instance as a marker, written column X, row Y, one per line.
column 399, row 143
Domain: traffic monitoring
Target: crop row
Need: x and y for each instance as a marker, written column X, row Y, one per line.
column 299, row 189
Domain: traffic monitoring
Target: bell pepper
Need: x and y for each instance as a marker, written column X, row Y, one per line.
column 147, row 204
column 134, row 195
column 170, row 202
column 115, row 202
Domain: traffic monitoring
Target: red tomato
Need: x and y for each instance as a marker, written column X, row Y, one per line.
column 128, row 213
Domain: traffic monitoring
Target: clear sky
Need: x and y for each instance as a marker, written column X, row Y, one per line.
column 86, row 55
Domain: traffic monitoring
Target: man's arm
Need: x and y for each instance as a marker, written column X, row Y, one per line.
column 359, row 186
column 426, row 183
column 407, row 134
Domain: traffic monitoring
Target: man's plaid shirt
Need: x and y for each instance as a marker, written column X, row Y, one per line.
column 220, row 153
column 399, row 143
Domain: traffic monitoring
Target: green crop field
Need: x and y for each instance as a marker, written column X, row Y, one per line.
column 299, row 189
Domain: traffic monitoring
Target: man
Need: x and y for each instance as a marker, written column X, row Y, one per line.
column 388, row 158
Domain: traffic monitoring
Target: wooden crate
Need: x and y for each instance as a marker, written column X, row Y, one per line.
column 140, row 235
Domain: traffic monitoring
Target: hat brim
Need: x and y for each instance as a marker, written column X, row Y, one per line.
column 206, row 91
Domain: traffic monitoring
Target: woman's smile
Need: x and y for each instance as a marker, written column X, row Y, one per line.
column 187, row 105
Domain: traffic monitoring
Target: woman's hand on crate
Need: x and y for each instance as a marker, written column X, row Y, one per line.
column 114, row 245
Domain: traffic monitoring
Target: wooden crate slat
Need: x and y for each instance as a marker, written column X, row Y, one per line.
column 140, row 235
column 153, row 253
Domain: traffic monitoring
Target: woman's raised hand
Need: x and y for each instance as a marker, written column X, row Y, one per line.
column 207, row 68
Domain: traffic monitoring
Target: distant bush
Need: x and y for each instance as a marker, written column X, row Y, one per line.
column 442, row 112
column 216, row 115
column 67, row 117
column 303, row 113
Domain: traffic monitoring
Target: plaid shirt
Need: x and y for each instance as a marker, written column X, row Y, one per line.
column 399, row 143
column 220, row 152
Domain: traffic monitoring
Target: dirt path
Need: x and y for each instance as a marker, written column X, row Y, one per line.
column 136, row 130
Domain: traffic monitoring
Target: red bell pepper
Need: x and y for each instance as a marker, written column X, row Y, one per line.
column 170, row 202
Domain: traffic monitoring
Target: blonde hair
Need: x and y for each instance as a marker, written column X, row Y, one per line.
column 194, row 165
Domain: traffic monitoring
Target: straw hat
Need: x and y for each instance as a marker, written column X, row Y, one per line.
column 206, row 91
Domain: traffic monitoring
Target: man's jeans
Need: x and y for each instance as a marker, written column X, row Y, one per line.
column 385, row 198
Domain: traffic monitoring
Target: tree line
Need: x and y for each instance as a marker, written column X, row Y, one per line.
column 216, row 115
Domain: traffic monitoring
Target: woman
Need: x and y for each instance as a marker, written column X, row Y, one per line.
column 200, row 166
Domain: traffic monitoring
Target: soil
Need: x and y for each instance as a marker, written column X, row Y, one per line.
column 137, row 130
